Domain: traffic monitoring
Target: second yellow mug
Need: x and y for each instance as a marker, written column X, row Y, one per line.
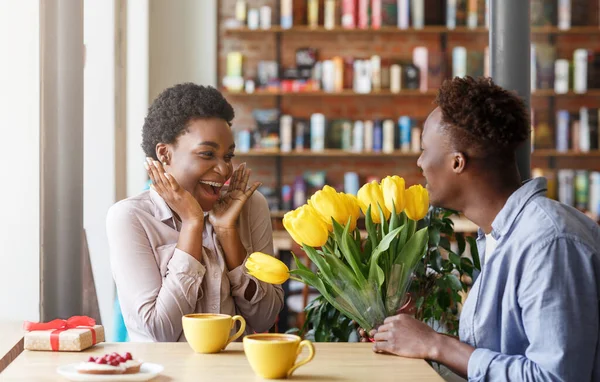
column 211, row 333
column 273, row 356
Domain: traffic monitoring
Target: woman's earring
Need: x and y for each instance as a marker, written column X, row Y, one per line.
column 164, row 162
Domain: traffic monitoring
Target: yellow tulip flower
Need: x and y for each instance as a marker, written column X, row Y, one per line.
column 306, row 226
column 371, row 195
column 353, row 207
column 332, row 204
column 393, row 193
column 417, row 202
column 267, row 268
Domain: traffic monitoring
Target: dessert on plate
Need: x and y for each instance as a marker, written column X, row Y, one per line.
column 113, row 363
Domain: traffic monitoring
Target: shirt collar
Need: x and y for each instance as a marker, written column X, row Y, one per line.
column 515, row 204
column 161, row 209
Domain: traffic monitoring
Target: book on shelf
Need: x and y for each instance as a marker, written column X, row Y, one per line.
column 576, row 131
column 574, row 187
column 543, row 13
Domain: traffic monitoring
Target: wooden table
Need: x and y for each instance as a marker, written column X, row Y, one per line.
column 333, row 362
column 11, row 341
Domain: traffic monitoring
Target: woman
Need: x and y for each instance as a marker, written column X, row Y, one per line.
column 180, row 247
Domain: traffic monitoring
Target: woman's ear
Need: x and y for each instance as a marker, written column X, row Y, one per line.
column 460, row 163
column 163, row 154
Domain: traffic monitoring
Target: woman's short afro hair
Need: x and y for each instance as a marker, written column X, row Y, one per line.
column 175, row 107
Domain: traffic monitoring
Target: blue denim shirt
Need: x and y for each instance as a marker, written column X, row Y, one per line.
column 532, row 313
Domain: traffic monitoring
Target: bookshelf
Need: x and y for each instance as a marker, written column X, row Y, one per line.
column 541, row 93
column 332, row 153
column 550, row 30
column 275, row 168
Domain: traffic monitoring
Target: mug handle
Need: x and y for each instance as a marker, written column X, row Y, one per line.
column 311, row 355
column 239, row 332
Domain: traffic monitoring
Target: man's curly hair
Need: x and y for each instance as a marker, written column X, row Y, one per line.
column 482, row 118
column 176, row 107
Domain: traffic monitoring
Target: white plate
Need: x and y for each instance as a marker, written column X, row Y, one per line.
column 147, row 372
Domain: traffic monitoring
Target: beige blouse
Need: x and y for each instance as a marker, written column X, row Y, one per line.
column 157, row 283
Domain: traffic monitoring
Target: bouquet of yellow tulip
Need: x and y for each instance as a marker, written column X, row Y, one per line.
column 366, row 280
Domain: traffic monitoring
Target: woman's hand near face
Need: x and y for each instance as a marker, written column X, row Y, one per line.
column 179, row 200
column 225, row 213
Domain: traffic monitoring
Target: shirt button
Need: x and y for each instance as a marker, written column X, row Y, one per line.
column 216, row 275
column 214, row 307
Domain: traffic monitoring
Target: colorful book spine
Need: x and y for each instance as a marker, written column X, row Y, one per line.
column 317, row 132
column 582, row 189
column 584, row 129
column 346, row 135
column 375, row 14
column 369, row 138
column 562, row 130
column 358, row 137
column 418, row 13
column 377, row 137
column 329, row 14
column 594, row 197
column 404, row 127
column 285, row 133
column 451, row 14
column 566, row 187
column 287, row 19
column 564, row 14
column 561, row 76
column 388, row 136
column 363, row 14
column 472, row 14
column 349, row 14
column 403, row 14
column 580, row 59
column 459, row 61
column 421, row 61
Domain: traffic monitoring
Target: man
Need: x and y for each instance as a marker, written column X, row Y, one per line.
column 532, row 314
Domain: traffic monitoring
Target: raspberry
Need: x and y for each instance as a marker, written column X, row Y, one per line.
column 114, row 363
column 128, row 356
column 92, row 359
column 101, row 361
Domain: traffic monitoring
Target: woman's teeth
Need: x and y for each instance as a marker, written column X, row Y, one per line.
column 214, row 184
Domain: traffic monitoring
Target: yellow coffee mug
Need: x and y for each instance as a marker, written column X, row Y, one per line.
column 273, row 356
column 210, row 333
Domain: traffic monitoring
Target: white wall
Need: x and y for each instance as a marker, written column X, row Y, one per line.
column 20, row 190
column 137, row 91
column 183, row 43
column 99, row 145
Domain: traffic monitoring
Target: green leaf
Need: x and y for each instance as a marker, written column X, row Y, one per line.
column 384, row 223
column 375, row 272
column 414, row 249
column 371, row 228
column 474, row 252
column 460, row 239
column 434, row 236
column 445, row 243
column 454, row 282
column 436, row 260
column 443, row 300
column 455, row 259
column 394, row 219
column 466, row 265
column 350, row 251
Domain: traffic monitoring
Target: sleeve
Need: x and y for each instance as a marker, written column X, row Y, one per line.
column 151, row 303
column 262, row 310
column 559, row 310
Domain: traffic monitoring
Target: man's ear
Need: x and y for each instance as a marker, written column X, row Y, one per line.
column 459, row 162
